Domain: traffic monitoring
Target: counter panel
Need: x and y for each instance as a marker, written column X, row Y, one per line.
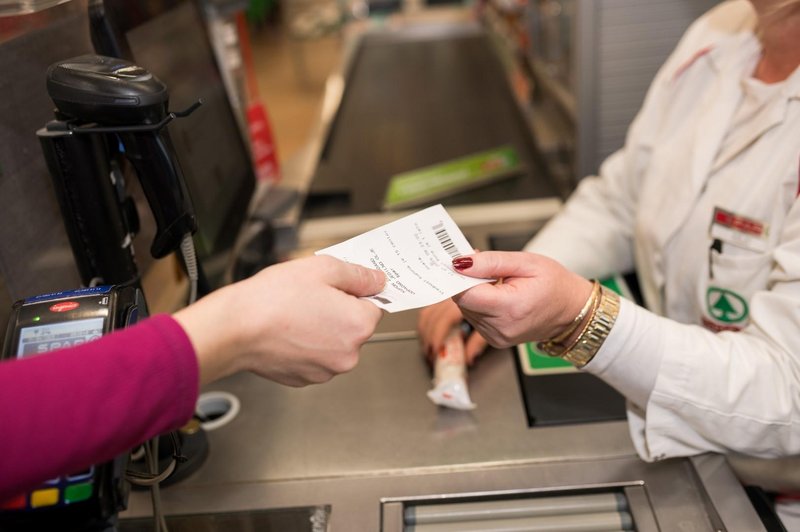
column 372, row 434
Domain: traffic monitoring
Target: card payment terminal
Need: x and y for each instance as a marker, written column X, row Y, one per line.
column 82, row 500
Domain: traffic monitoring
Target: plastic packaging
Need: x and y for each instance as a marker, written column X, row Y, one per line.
column 450, row 374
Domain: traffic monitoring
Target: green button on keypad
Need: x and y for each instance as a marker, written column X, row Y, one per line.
column 77, row 492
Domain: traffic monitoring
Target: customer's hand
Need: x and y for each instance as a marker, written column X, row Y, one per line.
column 297, row 323
column 436, row 321
column 536, row 299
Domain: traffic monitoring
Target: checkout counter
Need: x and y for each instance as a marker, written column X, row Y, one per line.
column 369, row 444
column 368, row 449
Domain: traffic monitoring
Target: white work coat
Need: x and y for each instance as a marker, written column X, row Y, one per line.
column 723, row 318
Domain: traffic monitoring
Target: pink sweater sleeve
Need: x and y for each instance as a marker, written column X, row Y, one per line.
column 63, row 411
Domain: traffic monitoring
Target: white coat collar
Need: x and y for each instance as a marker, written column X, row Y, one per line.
column 734, row 67
column 732, row 57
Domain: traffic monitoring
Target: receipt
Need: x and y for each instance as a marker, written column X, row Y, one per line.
column 416, row 254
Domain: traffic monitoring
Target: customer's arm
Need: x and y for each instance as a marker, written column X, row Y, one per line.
column 295, row 323
column 63, row 411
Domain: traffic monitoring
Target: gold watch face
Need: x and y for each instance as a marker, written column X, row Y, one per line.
column 551, row 349
column 595, row 333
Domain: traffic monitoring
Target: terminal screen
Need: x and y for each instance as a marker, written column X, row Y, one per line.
column 44, row 338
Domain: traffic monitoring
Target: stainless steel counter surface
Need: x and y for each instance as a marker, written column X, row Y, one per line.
column 373, row 433
column 378, row 420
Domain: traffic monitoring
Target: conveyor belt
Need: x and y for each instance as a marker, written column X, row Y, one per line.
column 414, row 99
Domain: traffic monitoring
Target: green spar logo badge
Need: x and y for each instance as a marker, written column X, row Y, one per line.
column 726, row 306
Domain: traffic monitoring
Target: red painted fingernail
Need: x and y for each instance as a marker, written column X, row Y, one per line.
column 462, row 263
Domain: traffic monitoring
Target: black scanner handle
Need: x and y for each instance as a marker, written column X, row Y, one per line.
column 98, row 95
column 160, row 174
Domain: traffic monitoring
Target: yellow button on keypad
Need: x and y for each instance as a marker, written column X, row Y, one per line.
column 46, row 497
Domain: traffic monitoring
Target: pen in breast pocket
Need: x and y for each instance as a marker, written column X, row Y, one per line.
column 716, row 245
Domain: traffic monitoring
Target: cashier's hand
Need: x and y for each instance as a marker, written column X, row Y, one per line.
column 537, row 299
column 297, row 323
column 436, row 321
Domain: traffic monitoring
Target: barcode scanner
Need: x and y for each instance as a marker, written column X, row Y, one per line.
column 107, row 107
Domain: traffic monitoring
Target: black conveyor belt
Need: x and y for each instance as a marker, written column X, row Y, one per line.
column 413, row 99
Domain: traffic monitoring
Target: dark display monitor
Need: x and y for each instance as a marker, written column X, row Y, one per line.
column 170, row 39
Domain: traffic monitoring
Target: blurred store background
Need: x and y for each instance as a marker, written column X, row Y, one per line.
column 580, row 68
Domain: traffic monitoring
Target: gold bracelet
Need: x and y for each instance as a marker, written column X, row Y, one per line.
column 557, row 349
column 583, row 350
column 579, row 318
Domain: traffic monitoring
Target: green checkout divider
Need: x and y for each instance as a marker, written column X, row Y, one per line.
column 534, row 362
column 418, row 187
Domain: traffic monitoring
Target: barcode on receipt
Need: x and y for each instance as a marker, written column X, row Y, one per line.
column 445, row 240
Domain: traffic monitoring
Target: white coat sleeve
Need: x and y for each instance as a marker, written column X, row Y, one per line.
column 721, row 392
